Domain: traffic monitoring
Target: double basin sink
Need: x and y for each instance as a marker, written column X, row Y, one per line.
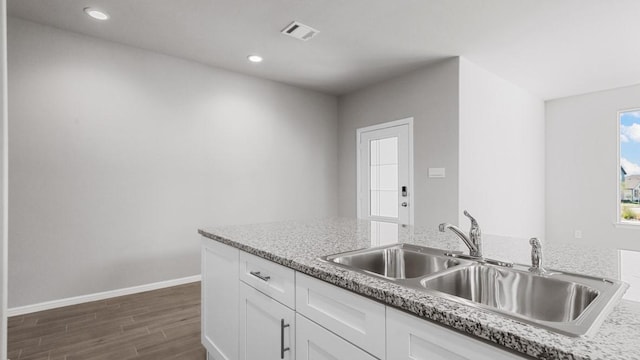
column 566, row 303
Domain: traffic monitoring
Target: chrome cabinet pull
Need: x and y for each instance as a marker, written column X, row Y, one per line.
column 261, row 277
column 282, row 348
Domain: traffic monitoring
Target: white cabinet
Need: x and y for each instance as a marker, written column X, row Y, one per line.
column 267, row 328
column 409, row 337
column 353, row 317
column 314, row 342
column 249, row 307
column 220, row 300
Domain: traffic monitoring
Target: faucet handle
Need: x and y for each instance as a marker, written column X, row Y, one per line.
column 474, row 231
column 535, row 243
column 473, row 220
column 475, row 235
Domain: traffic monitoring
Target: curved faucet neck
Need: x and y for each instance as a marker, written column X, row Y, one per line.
column 468, row 240
column 473, row 241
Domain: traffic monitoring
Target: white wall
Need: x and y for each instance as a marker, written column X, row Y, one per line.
column 501, row 154
column 582, row 173
column 430, row 96
column 118, row 155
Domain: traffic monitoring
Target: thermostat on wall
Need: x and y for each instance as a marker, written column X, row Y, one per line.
column 436, row 172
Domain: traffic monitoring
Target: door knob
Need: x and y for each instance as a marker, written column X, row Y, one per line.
column 404, row 204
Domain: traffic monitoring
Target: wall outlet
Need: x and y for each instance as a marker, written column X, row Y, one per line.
column 577, row 234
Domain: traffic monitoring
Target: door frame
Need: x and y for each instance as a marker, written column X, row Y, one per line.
column 406, row 121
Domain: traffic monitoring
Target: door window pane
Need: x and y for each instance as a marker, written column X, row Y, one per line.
column 383, row 177
column 384, row 203
column 387, row 177
column 388, row 151
column 374, row 156
column 374, row 179
column 388, row 203
column 374, row 203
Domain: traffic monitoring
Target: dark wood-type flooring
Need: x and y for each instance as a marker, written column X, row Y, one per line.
column 159, row 324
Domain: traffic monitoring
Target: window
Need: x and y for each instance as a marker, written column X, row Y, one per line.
column 629, row 186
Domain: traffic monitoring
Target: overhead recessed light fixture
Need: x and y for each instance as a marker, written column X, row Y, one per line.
column 96, row 14
column 255, row 58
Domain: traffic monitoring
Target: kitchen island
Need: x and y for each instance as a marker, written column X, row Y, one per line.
column 298, row 245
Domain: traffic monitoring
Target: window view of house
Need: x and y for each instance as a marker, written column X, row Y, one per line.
column 630, row 166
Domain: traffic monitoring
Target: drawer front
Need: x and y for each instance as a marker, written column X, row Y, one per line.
column 276, row 281
column 356, row 319
column 313, row 342
column 409, row 337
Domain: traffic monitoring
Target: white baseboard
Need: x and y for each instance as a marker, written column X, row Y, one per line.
column 21, row 310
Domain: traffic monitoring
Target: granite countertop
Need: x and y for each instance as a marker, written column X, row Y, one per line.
column 299, row 244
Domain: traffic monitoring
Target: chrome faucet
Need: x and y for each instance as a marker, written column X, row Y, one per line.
column 536, row 256
column 473, row 240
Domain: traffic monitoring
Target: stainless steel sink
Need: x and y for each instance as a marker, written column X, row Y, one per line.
column 566, row 303
column 536, row 297
column 401, row 261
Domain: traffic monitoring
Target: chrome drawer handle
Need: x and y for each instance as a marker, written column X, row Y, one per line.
column 261, row 277
column 282, row 348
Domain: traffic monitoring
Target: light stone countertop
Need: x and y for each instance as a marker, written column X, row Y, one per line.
column 299, row 244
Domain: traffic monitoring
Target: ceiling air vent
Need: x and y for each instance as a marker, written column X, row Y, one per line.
column 300, row 31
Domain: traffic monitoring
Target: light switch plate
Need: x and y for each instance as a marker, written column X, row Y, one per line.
column 436, row 172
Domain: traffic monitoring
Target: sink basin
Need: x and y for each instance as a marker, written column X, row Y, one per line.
column 536, row 297
column 567, row 303
column 401, row 261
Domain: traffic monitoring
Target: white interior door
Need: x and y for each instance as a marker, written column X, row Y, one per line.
column 385, row 172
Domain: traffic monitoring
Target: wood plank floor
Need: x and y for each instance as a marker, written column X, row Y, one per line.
column 159, row 324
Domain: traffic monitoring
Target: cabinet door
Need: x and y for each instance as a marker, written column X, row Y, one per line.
column 409, row 337
column 358, row 320
column 267, row 328
column 313, row 342
column 220, row 300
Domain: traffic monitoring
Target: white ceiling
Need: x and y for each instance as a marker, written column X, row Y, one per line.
column 553, row 48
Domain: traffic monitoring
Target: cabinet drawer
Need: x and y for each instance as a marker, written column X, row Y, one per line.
column 314, row 342
column 276, row 281
column 356, row 319
column 410, row 337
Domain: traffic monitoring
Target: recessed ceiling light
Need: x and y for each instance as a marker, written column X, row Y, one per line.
column 96, row 14
column 255, row 58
